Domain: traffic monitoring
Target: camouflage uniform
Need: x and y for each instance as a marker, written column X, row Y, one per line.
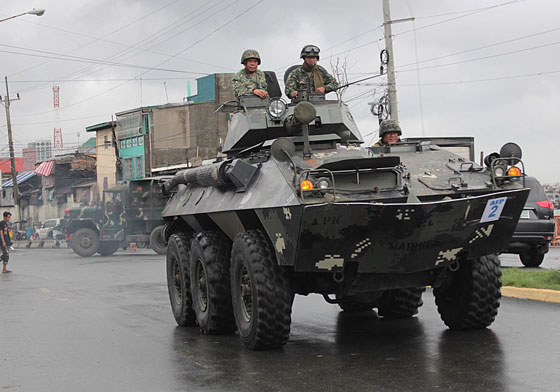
column 243, row 83
column 301, row 80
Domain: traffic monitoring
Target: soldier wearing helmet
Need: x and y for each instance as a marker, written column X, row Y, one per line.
column 310, row 76
column 389, row 133
column 250, row 80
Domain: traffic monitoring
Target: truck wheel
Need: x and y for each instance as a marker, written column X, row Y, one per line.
column 209, row 276
column 107, row 248
column 469, row 297
column 260, row 291
column 178, row 283
column 85, row 242
column 156, row 241
column 531, row 258
column 400, row 303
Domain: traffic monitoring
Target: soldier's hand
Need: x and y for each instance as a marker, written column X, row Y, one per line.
column 260, row 93
column 293, row 94
column 320, row 90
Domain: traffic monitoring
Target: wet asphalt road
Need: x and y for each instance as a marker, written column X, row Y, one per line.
column 104, row 324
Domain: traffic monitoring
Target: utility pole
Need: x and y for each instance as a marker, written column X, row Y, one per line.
column 391, row 64
column 11, row 145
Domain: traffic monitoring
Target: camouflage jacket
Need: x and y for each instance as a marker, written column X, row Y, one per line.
column 243, row 83
column 301, row 80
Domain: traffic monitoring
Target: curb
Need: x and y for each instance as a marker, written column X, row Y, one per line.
column 40, row 244
column 532, row 294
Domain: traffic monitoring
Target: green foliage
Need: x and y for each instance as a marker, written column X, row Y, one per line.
column 537, row 279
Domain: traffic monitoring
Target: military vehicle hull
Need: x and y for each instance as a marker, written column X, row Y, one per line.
column 366, row 228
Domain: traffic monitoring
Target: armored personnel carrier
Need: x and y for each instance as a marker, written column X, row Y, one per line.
column 299, row 207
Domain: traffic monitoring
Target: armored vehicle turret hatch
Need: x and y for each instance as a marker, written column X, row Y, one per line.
column 299, row 207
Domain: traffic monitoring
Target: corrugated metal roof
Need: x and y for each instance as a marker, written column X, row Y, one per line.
column 22, row 177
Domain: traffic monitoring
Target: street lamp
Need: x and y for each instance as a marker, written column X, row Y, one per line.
column 38, row 12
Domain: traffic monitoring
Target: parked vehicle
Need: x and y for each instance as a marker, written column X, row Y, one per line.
column 535, row 228
column 51, row 229
column 129, row 213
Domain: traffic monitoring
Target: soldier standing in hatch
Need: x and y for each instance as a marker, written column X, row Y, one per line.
column 250, row 80
column 389, row 133
column 310, row 76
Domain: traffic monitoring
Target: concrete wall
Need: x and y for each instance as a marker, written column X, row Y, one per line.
column 170, row 136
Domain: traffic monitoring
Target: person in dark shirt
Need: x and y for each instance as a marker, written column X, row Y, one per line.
column 6, row 242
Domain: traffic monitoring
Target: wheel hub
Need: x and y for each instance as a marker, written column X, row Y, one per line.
column 85, row 241
column 246, row 294
column 177, row 287
column 202, row 287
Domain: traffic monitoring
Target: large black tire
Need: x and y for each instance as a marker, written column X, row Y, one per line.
column 469, row 298
column 531, row 257
column 156, row 241
column 210, row 282
column 178, row 282
column 400, row 303
column 85, row 242
column 261, row 293
column 107, row 248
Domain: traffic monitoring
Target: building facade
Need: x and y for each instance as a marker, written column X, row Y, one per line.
column 159, row 139
column 107, row 170
column 43, row 150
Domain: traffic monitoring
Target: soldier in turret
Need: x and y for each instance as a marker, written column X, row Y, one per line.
column 310, row 76
column 389, row 133
column 250, row 80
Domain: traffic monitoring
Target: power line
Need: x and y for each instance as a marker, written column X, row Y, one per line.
column 148, row 39
column 157, row 65
column 64, row 57
column 95, row 39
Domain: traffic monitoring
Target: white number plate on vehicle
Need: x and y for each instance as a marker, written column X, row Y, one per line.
column 524, row 214
column 493, row 210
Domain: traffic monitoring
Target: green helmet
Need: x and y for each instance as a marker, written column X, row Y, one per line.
column 389, row 126
column 310, row 51
column 250, row 54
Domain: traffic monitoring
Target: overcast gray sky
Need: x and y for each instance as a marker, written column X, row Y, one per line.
column 483, row 68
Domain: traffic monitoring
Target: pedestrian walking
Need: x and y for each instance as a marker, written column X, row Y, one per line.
column 6, row 241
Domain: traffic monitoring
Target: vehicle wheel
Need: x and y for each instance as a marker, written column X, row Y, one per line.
column 107, row 248
column 85, row 242
column 156, row 241
column 209, row 276
column 400, row 303
column 178, row 282
column 531, row 258
column 260, row 291
column 469, row 297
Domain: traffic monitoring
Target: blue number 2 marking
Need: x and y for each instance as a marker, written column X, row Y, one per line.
column 493, row 212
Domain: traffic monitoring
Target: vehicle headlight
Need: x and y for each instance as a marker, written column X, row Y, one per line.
column 499, row 171
column 323, row 183
column 277, row 108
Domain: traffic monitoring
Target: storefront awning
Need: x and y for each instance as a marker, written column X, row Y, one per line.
column 44, row 168
column 22, row 177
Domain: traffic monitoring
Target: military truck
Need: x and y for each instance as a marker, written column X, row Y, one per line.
column 129, row 213
column 299, row 207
